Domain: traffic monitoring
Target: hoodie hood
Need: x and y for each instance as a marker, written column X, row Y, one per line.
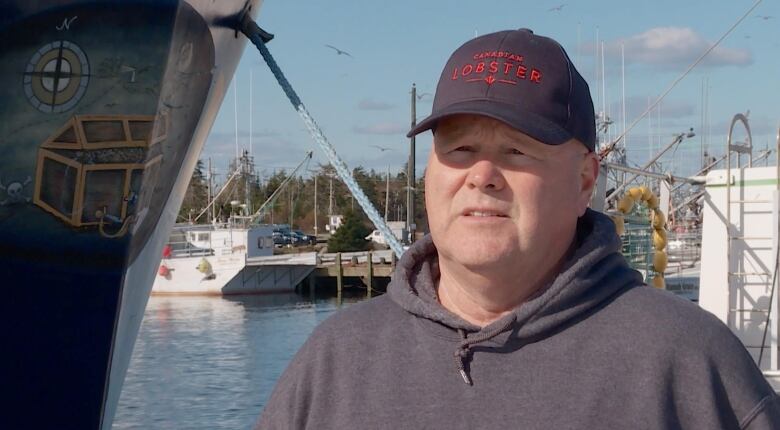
column 595, row 272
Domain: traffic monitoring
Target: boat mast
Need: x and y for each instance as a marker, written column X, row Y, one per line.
column 250, row 111
column 208, row 193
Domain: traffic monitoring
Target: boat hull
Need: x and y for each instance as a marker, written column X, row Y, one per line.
column 106, row 108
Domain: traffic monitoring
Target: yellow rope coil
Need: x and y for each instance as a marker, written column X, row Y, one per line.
column 658, row 221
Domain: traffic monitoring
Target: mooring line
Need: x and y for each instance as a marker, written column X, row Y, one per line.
column 257, row 36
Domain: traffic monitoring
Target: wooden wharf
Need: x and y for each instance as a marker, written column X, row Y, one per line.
column 370, row 270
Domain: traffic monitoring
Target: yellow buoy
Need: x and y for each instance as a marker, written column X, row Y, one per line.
column 659, row 239
column 658, row 219
column 658, row 282
column 652, row 201
column 659, row 261
column 625, row 204
column 620, row 224
column 204, row 266
column 646, row 193
column 635, row 193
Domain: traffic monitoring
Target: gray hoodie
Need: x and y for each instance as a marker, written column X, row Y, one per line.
column 594, row 349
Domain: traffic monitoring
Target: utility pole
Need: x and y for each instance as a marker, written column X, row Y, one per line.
column 410, row 182
column 291, row 208
column 273, row 203
column 387, row 192
column 330, row 199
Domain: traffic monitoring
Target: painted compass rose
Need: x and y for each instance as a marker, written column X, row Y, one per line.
column 56, row 77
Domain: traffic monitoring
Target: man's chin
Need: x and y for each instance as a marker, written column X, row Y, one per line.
column 476, row 248
column 477, row 259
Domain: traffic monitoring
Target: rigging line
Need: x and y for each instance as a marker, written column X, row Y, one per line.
column 224, row 187
column 604, row 152
column 256, row 35
column 279, row 189
column 769, row 311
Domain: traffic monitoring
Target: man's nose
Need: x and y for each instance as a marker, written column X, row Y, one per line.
column 485, row 175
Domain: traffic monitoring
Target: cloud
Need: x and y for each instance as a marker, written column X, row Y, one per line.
column 384, row 128
column 368, row 104
column 672, row 47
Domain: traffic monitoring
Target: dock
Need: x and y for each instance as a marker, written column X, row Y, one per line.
column 370, row 270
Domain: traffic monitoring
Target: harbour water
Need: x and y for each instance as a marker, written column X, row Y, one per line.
column 211, row 362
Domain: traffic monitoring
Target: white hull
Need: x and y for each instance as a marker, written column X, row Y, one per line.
column 736, row 283
column 185, row 278
column 224, row 261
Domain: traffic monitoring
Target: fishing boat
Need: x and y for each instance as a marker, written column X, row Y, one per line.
column 741, row 250
column 737, row 205
column 232, row 257
column 106, row 108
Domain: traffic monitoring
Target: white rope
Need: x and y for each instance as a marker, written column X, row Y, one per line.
column 252, row 31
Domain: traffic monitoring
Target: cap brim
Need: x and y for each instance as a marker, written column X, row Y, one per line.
column 526, row 122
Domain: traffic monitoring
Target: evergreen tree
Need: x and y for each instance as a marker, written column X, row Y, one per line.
column 195, row 199
column 350, row 236
column 368, row 184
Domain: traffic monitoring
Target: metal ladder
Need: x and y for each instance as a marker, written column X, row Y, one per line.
column 732, row 235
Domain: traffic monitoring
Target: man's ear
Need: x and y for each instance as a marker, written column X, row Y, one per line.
column 589, row 174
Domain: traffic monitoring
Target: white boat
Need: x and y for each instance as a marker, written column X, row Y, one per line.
column 232, row 258
column 218, row 259
column 739, row 258
column 739, row 245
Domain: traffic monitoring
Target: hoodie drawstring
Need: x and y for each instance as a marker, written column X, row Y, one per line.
column 463, row 352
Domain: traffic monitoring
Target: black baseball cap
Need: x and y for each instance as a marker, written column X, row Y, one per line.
column 522, row 79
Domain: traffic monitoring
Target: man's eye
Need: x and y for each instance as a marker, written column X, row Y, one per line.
column 463, row 149
column 515, row 151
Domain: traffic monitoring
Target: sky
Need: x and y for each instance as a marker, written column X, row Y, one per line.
column 362, row 102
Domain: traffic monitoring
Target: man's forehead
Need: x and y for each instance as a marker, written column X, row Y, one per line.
column 453, row 128
column 463, row 125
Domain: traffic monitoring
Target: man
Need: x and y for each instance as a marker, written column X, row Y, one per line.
column 518, row 311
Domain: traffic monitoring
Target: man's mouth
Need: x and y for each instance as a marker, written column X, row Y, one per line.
column 484, row 213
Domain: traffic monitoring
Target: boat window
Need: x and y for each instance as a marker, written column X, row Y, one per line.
column 203, row 237
column 265, row 242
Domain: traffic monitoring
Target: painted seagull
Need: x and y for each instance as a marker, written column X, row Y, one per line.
column 339, row 51
column 556, row 8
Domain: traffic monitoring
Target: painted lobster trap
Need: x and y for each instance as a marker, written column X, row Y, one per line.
column 90, row 171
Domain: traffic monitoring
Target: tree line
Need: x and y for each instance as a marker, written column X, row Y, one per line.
column 295, row 203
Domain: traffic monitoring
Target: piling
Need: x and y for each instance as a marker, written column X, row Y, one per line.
column 312, row 286
column 370, row 276
column 339, row 278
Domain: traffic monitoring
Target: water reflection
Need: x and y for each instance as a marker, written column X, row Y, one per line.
column 211, row 362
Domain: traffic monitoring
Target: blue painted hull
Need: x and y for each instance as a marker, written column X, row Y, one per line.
column 105, row 108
